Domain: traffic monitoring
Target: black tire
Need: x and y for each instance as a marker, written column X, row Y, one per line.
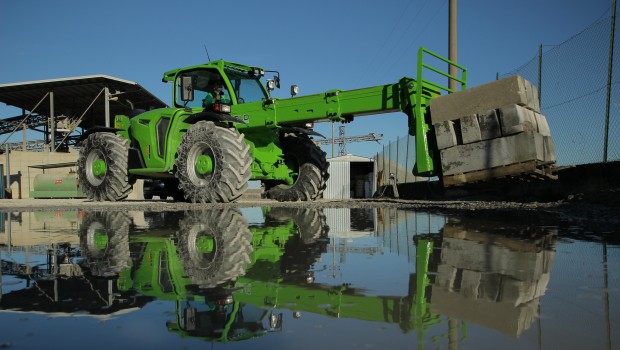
column 230, row 240
column 302, row 155
column 148, row 196
column 104, row 243
column 111, row 183
column 230, row 159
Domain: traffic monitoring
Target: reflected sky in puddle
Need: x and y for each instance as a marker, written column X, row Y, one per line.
column 305, row 278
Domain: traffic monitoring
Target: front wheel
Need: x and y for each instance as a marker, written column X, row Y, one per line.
column 309, row 165
column 213, row 164
column 214, row 246
column 102, row 167
column 104, row 242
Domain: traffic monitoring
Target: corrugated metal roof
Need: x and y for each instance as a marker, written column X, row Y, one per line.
column 73, row 95
column 350, row 158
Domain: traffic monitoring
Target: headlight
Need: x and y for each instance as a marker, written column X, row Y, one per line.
column 222, row 108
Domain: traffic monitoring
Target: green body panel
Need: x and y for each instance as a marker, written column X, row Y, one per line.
column 344, row 301
column 263, row 119
column 160, row 273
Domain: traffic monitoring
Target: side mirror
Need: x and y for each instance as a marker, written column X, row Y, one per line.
column 187, row 89
column 277, row 80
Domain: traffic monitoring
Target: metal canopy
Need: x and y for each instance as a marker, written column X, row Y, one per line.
column 72, row 97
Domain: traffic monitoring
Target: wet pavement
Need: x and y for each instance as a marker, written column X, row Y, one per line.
column 306, row 278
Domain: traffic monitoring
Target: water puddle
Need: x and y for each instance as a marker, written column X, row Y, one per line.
column 304, row 278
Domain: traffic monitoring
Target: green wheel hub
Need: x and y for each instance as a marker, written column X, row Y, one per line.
column 101, row 239
column 204, row 164
column 99, row 167
column 205, row 245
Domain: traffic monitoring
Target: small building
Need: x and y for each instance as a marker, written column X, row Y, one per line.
column 351, row 176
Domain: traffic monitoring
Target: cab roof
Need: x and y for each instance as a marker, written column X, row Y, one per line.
column 218, row 64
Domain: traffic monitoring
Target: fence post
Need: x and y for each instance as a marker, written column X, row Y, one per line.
column 397, row 159
column 609, row 74
column 540, row 74
column 384, row 164
column 407, row 159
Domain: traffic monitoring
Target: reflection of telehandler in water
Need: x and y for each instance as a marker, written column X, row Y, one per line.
column 228, row 279
column 278, row 278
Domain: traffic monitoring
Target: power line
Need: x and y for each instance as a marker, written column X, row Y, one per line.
column 402, row 14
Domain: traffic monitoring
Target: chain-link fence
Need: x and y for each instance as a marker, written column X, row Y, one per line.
column 573, row 81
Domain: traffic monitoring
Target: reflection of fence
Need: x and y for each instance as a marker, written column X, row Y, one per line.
column 572, row 78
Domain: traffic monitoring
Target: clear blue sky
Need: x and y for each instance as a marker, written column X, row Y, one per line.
column 318, row 45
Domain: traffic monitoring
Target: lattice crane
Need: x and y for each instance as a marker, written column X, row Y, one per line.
column 342, row 140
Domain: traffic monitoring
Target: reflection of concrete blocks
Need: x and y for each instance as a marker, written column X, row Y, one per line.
column 445, row 276
column 515, row 119
column 479, row 99
column 519, row 148
column 445, row 135
column 470, row 129
column 470, row 283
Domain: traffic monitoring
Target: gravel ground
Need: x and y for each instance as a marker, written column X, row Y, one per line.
column 599, row 209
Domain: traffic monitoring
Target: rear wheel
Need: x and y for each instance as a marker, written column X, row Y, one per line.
column 213, row 164
column 309, row 164
column 102, row 167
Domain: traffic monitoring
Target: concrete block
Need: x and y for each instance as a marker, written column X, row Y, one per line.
column 470, row 129
column 479, row 99
column 542, row 125
column 489, row 125
column 507, row 150
column 534, row 100
column 515, row 119
column 548, row 149
column 445, row 135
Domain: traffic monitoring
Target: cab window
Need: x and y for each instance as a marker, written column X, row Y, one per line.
column 207, row 84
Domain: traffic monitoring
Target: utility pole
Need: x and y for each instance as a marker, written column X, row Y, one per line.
column 609, row 75
column 452, row 52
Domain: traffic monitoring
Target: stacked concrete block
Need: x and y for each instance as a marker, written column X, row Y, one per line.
column 489, row 125
column 502, row 151
column 493, row 125
column 505, row 92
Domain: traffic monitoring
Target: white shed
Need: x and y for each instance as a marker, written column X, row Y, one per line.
column 351, row 176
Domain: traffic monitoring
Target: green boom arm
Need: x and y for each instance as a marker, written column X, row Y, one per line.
column 410, row 96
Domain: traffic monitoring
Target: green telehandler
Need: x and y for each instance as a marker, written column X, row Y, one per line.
column 225, row 129
column 209, row 144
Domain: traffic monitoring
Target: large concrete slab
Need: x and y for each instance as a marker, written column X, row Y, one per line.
column 519, row 148
column 480, row 99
